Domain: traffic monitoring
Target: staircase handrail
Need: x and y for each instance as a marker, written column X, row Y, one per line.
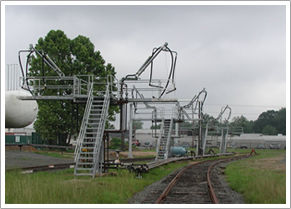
column 169, row 138
column 101, row 127
column 84, row 121
column 160, row 137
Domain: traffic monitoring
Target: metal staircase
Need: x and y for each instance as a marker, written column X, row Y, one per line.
column 89, row 152
column 163, row 145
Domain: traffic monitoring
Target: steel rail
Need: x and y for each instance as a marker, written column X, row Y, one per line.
column 213, row 197
column 209, row 184
column 173, row 182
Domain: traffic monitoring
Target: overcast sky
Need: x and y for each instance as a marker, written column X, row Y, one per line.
column 236, row 52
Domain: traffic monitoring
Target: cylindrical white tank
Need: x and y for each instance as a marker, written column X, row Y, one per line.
column 19, row 113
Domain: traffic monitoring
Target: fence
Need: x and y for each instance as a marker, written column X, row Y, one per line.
column 35, row 138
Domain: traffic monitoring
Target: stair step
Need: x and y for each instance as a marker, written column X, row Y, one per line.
column 87, row 147
column 85, row 158
column 95, row 135
column 84, row 169
column 83, row 174
column 89, row 138
column 96, row 105
column 87, row 153
column 96, row 110
column 85, row 163
column 92, row 123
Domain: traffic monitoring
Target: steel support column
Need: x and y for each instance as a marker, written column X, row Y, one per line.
column 130, row 121
column 199, row 142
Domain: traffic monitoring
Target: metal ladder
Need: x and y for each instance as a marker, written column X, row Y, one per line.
column 163, row 145
column 89, row 152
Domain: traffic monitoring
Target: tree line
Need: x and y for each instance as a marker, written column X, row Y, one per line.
column 270, row 122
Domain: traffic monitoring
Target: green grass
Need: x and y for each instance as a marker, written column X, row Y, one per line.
column 260, row 179
column 216, row 150
column 56, row 154
column 61, row 187
column 146, row 150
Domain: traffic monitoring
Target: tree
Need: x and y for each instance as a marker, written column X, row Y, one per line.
column 269, row 130
column 186, row 125
column 158, row 126
column 265, row 118
column 276, row 119
column 242, row 122
column 281, row 121
column 57, row 119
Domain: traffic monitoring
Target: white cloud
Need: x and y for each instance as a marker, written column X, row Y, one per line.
column 236, row 52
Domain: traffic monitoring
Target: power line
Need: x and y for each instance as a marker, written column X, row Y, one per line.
column 245, row 105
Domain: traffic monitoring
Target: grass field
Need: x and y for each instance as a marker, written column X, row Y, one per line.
column 61, row 187
column 260, row 179
column 56, row 154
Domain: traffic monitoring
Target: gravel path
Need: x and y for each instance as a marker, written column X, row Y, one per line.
column 224, row 193
column 17, row 159
column 153, row 191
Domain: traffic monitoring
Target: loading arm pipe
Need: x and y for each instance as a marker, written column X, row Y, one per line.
column 146, row 64
column 48, row 61
column 223, row 111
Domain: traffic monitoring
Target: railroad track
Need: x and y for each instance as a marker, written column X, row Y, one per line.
column 139, row 168
column 193, row 185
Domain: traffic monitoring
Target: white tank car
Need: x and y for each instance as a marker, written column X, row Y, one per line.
column 19, row 113
column 259, row 141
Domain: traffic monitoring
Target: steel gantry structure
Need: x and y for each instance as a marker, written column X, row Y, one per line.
column 91, row 151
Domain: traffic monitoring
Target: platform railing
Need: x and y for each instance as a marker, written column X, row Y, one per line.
column 70, row 86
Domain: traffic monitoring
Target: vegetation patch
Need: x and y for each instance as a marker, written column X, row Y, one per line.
column 138, row 154
column 56, row 154
column 62, row 187
column 260, row 179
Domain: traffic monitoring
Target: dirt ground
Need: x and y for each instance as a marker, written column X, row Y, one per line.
column 153, row 191
column 23, row 148
column 225, row 194
column 14, row 158
column 23, row 159
column 275, row 163
column 137, row 154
